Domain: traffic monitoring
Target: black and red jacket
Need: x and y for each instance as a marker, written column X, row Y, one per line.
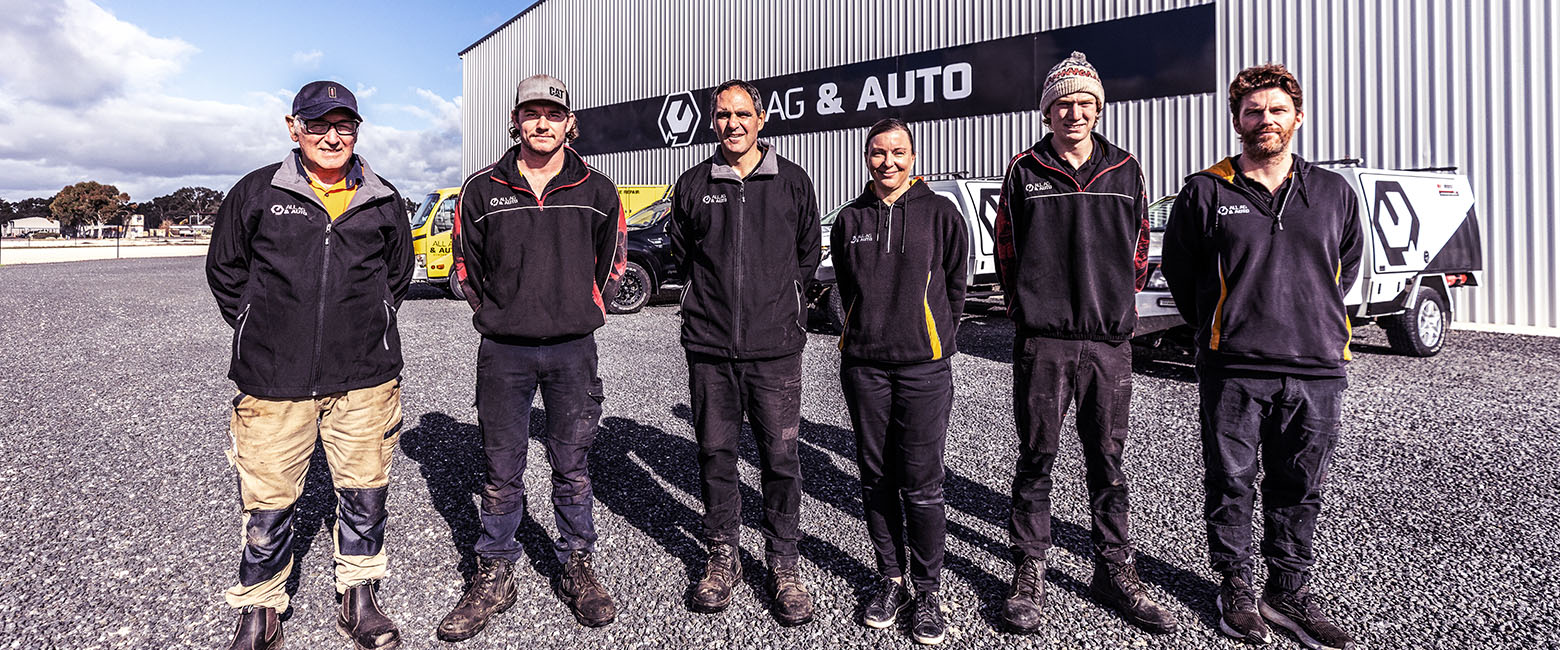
column 1073, row 252
column 312, row 300
column 1262, row 278
column 748, row 247
column 536, row 268
column 900, row 270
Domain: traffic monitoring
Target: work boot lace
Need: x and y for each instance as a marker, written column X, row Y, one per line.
column 720, row 567
column 1027, row 581
column 581, row 574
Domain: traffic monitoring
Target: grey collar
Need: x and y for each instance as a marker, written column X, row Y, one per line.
column 289, row 177
column 769, row 165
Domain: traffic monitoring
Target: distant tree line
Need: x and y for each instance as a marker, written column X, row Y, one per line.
column 91, row 202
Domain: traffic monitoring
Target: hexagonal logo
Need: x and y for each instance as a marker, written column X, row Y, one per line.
column 679, row 119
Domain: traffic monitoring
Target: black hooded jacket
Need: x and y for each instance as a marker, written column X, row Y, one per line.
column 1072, row 253
column 535, row 269
column 1264, row 287
column 900, row 270
column 748, row 247
column 312, row 301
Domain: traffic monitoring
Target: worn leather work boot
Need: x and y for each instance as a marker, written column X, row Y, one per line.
column 363, row 622
column 712, row 594
column 492, row 591
column 258, row 629
column 1117, row 584
column 792, row 602
column 1026, row 597
column 578, row 588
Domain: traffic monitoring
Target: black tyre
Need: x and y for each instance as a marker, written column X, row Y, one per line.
column 1420, row 331
column 452, row 285
column 634, row 290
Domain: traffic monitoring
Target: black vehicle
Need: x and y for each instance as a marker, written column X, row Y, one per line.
column 650, row 266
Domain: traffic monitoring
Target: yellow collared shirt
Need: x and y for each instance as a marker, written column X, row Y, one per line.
column 336, row 197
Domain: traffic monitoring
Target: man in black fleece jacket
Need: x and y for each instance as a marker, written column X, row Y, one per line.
column 745, row 231
column 1259, row 252
column 539, row 239
column 1072, row 251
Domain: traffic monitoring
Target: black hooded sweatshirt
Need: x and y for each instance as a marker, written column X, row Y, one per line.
column 1264, row 285
column 900, row 272
column 1073, row 252
column 535, row 268
column 748, row 247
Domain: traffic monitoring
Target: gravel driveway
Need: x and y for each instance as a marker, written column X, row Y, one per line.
column 119, row 516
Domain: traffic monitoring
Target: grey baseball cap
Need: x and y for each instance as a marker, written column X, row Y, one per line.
column 542, row 88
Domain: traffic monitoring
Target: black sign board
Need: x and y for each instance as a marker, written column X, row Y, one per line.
column 1154, row 55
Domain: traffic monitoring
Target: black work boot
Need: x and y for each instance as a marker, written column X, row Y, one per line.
column 712, row 593
column 1026, row 597
column 578, row 588
column 793, row 604
column 362, row 621
column 1117, row 584
column 492, row 591
column 258, row 629
column 1238, row 617
column 1298, row 612
column 883, row 606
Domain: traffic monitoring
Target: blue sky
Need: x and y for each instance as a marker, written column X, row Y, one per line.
column 154, row 95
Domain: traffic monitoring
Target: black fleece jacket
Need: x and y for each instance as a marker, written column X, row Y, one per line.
column 312, row 301
column 900, row 272
column 535, row 268
column 748, row 247
column 1264, row 286
column 1072, row 253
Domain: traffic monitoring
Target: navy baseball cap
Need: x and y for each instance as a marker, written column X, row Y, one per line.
column 317, row 98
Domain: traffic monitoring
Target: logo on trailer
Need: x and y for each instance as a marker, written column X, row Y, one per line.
column 679, row 119
column 1446, row 189
column 1396, row 223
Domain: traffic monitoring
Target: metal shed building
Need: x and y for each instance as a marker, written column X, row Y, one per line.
column 1397, row 83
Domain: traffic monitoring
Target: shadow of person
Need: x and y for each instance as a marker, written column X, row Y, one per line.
column 988, row 336
column 314, row 510
column 428, row 291
column 1172, row 364
column 449, row 457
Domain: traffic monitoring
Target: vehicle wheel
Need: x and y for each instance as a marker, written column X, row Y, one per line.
column 634, row 290
column 452, row 284
column 1420, row 331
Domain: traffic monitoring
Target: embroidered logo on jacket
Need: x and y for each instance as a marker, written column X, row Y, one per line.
column 856, row 239
column 714, row 198
column 1042, row 186
column 280, row 210
column 503, row 200
column 1225, row 210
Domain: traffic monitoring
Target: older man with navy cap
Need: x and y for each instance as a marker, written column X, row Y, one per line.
column 309, row 260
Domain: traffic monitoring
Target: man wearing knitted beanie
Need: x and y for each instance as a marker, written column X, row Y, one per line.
column 1072, row 251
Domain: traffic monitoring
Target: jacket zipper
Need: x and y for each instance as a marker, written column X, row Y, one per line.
column 238, row 341
column 319, row 318
column 736, row 315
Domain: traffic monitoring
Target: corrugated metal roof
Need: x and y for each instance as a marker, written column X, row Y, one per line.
column 500, row 28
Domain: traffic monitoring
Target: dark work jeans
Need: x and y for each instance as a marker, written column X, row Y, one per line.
column 900, row 413
column 1048, row 375
column 1290, row 425
column 769, row 392
column 508, row 377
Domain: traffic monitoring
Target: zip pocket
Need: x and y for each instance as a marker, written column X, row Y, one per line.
column 800, row 308
column 687, row 286
column 385, row 337
column 238, row 339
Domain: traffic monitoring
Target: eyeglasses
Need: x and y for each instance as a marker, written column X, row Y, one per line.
column 345, row 128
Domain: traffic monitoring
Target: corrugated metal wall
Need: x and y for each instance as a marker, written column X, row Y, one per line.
column 1399, row 83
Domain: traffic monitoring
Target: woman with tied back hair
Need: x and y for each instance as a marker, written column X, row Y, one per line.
column 900, row 252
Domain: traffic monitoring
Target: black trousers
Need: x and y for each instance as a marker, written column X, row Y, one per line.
column 508, row 377
column 900, row 413
column 769, row 393
column 1048, row 375
column 1288, row 424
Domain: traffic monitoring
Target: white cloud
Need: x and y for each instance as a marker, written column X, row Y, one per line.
column 364, row 92
column 82, row 98
column 309, row 59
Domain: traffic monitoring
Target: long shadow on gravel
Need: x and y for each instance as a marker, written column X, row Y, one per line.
column 314, row 510
column 987, row 336
column 639, row 498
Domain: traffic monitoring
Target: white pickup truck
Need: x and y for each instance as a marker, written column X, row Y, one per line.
column 1421, row 240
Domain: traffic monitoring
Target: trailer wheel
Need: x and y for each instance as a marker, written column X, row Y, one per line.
column 634, row 290
column 1420, row 331
column 453, row 285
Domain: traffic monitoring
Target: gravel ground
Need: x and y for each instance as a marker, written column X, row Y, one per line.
column 119, row 518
